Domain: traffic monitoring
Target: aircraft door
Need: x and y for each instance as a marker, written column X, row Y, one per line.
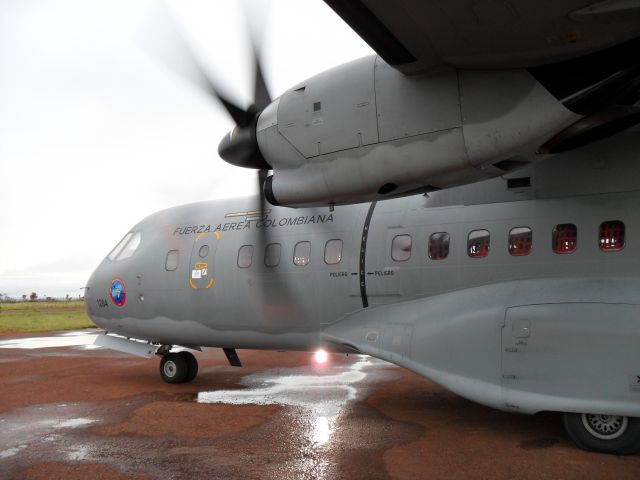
column 201, row 265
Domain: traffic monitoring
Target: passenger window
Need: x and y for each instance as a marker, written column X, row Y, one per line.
column 171, row 262
column 333, row 251
column 245, row 256
column 302, row 253
column 130, row 248
column 401, row 248
column 118, row 248
column 611, row 236
column 272, row 255
column 478, row 243
column 203, row 251
column 520, row 241
column 439, row 246
column 564, row 238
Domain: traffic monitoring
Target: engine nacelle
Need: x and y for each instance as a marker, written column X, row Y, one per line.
column 364, row 131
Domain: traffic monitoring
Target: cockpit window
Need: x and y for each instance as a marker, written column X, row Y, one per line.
column 130, row 247
column 126, row 247
column 118, row 248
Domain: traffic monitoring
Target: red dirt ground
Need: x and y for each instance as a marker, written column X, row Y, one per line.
column 398, row 426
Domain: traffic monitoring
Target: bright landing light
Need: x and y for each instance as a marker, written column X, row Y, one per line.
column 320, row 356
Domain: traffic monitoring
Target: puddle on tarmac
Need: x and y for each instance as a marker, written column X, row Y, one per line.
column 322, row 393
column 74, row 423
column 43, row 425
column 10, row 452
column 80, row 452
column 81, row 339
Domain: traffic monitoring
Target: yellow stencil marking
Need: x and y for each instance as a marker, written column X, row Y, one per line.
column 217, row 234
column 250, row 213
column 209, row 284
column 236, row 214
column 199, row 236
column 193, row 285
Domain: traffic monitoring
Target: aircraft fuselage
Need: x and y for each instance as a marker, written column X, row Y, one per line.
column 541, row 314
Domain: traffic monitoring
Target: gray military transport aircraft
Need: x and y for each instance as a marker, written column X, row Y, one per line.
column 463, row 204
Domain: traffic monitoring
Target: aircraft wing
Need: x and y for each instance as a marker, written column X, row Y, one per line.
column 418, row 35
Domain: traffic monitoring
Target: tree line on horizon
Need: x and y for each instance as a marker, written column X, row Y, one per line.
column 34, row 297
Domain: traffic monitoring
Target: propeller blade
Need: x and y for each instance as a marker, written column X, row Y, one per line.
column 262, row 176
column 163, row 40
column 277, row 297
column 262, row 98
column 256, row 13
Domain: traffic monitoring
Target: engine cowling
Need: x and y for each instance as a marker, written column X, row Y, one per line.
column 364, row 131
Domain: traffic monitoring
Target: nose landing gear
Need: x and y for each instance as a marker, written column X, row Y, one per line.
column 178, row 367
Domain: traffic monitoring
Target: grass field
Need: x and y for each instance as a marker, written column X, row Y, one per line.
column 43, row 316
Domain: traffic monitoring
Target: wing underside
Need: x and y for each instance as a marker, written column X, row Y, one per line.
column 415, row 36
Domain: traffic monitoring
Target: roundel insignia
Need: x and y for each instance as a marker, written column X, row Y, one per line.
column 118, row 292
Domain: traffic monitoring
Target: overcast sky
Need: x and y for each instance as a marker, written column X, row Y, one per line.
column 95, row 134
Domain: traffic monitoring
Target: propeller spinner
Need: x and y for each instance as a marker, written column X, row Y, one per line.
column 240, row 146
column 165, row 42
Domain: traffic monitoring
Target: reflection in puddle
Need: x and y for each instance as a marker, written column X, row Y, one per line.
column 74, row 423
column 78, row 453
column 321, row 431
column 43, row 427
column 318, row 398
column 10, row 452
column 324, row 395
column 82, row 339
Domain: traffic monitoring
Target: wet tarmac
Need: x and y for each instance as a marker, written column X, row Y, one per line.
column 67, row 411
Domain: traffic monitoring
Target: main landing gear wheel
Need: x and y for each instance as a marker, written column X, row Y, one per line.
column 604, row 433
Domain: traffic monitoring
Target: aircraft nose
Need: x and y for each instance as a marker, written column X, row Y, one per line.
column 90, row 297
column 95, row 299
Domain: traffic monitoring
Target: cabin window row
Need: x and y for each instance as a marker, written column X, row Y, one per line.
column 301, row 254
column 564, row 239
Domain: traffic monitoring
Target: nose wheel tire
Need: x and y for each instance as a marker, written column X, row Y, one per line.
column 192, row 365
column 174, row 368
column 604, row 433
column 178, row 367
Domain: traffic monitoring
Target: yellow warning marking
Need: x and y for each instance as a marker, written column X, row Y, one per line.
column 200, row 265
column 199, row 236
column 250, row 213
column 193, row 285
column 217, row 234
column 209, row 284
column 236, row 214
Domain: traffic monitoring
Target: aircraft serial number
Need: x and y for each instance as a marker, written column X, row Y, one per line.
column 102, row 303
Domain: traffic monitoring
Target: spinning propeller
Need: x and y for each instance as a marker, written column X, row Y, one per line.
column 164, row 41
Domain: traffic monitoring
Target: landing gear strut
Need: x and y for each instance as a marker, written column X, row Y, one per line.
column 178, row 367
column 604, row 433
